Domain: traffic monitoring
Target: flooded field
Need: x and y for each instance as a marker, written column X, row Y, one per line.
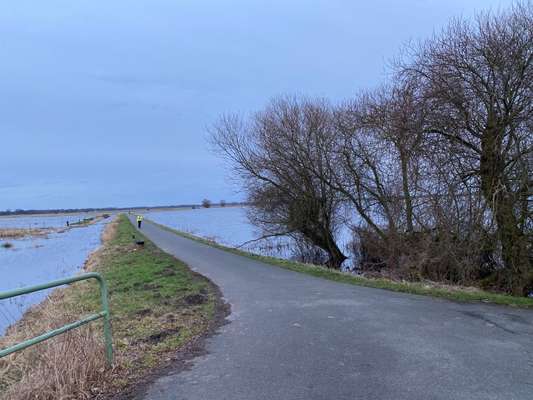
column 42, row 221
column 34, row 260
column 227, row 226
column 230, row 226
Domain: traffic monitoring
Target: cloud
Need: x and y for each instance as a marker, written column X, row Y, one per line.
column 132, row 80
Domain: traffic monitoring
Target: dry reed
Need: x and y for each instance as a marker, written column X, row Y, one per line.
column 69, row 366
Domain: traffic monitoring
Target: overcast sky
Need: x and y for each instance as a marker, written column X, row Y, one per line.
column 106, row 103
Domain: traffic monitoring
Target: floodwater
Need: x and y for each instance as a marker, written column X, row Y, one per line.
column 42, row 221
column 225, row 225
column 230, row 226
column 35, row 260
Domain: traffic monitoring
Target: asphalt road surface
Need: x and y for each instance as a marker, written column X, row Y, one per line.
column 293, row 336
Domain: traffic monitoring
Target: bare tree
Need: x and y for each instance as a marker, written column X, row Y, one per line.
column 395, row 116
column 478, row 81
column 276, row 156
column 206, row 203
column 375, row 166
column 435, row 168
column 378, row 139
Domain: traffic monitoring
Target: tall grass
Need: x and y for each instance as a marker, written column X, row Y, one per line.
column 69, row 366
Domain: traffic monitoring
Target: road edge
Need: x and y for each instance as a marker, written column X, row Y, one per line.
column 451, row 293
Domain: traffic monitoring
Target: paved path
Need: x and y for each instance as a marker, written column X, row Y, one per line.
column 293, row 336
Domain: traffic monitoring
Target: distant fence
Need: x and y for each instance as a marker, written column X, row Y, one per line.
column 104, row 314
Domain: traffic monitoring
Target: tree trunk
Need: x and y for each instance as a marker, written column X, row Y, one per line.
column 514, row 247
column 407, row 194
column 336, row 257
column 326, row 242
column 513, row 241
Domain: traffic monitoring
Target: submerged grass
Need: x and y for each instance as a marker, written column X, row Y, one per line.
column 450, row 292
column 157, row 306
column 18, row 233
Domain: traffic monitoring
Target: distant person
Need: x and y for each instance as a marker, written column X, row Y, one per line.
column 139, row 221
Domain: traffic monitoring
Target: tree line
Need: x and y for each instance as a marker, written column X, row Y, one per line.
column 432, row 171
column 20, row 211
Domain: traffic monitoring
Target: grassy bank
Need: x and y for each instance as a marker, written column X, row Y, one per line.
column 157, row 304
column 434, row 289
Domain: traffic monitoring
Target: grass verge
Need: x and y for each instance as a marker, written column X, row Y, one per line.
column 434, row 289
column 158, row 306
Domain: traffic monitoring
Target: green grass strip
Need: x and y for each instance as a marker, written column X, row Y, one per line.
column 150, row 295
column 456, row 294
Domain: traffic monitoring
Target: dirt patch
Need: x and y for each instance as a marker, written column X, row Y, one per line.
column 144, row 313
column 151, row 286
column 195, row 299
column 180, row 360
column 159, row 336
column 167, row 271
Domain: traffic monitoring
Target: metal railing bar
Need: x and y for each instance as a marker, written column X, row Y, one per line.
column 48, row 285
column 47, row 335
column 51, row 334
